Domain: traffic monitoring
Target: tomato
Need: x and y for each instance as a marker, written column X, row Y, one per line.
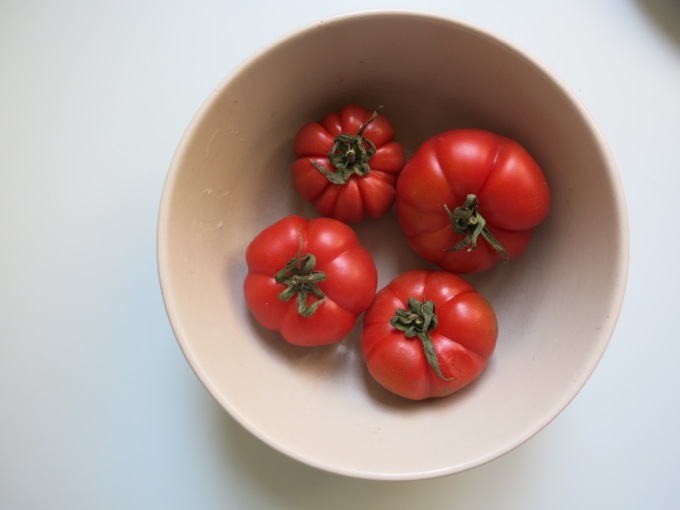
column 347, row 165
column 309, row 279
column 469, row 199
column 428, row 334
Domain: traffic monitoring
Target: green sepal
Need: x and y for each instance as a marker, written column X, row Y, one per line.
column 418, row 321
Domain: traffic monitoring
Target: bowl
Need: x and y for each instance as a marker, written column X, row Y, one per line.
column 557, row 304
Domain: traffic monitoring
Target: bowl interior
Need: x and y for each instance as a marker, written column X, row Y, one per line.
column 557, row 304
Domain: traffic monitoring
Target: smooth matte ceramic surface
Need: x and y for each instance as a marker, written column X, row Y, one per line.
column 557, row 305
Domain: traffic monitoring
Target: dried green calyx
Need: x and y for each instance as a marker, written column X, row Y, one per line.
column 301, row 279
column 418, row 321
column 467, row 221
column 349, row 155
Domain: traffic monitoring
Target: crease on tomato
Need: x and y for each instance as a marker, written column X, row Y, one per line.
column 493, row 166
column 377, row 195
column 463, row 366
column 380, row 131
column 468, row 309
column 461, row 189
column 388, row 158
column 328, row 199
column 350, row 205
column 433, row 250
column 462, row 288
column 360, row 294
column 333, row 124
column 309, row 181
column 531, row 191
column 313, row 140
column 411, row 185
column 376, row 333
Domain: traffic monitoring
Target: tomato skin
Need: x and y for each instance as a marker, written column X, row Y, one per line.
column 350, row 284
column 464, row 338
column 512, row 192
column 361, row 197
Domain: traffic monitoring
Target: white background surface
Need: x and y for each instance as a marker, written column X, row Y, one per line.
column 99, row 409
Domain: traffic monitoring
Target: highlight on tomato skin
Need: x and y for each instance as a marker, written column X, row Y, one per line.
column 428, row 334
column 347, row 164
column 308, row 279
column 470, row 199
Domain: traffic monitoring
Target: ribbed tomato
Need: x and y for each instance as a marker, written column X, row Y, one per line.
column 469, row 199
column 309, row 279
column 428, row 334
column 347, row 165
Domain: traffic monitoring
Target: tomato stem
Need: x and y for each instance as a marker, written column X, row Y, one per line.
column 301, row 280
column 350, row 155
column 467, row 221
column 418, row 321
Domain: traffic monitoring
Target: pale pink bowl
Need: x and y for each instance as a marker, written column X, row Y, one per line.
column 557, row 305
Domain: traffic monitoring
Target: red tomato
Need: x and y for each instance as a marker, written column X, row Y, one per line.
column 309, row 279
column 428, row 334
column 470, row 198
column 347, row 165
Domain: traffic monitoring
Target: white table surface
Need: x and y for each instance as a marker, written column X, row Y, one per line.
column 99, row 409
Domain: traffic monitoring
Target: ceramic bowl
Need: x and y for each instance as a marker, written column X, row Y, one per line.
column 557, row 304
